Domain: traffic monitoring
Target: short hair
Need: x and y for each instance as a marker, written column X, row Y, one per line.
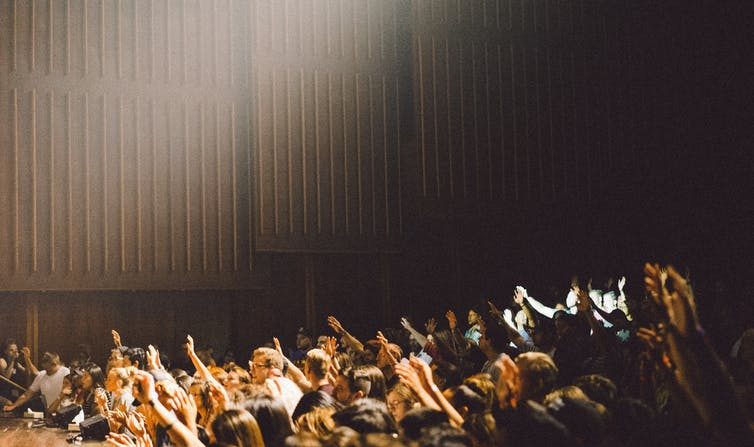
column 538, row 370
column 420, row 418
column 482, row 384
column 598, row 388
column 270, row 357
column 368, row 379
column 464, row 396
column 404, row 392
column 134, row 355
column 497, row 336
column 444, row 435
column 569, row 391
column 366, row 416
column 50, row 358
column 313, row 400
column 124, row 378
column 318, row 362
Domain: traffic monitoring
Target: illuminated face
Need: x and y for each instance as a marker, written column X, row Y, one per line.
column 87, row 382
column 341, row 392
column 397, row 405
column 473, row 317
column 259, row 369
column 12, row 351
column 232, row 381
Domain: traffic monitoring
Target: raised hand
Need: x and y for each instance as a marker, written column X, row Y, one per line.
column 100, row 398
column 219, row 394
column 116, row 338
column 144, row 388
column 382, row 339
column 278, row 348
column 409, row 376
column 135, row 423
column 621, row 283
column 26, row 353
column 406, row 324
column 120, row 440
column 519, row 295
column 190, row 343
column 430, row 326
column 335, row 325
column 422, row 370
column 185, row 408
column 452, row 320
column 494, row 311
column 583, row 303
column 651, row 337
column 681, row 304
column 331, row 346
column 153, row 358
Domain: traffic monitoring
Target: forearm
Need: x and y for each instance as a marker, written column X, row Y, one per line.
column 178, row 432
column 298, row 377
column 442, row 402
column 421, row 339
column 352, row 341
column 201, row 369
column 540, row 308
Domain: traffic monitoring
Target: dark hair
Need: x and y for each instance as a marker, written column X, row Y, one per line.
column 366, row 416
column 237, row 427
column 444, row 435
column 420, row 418
column 312, row 400
column 463, row 396
column 98, row 376
column 497, row 336
column 598, row 388
column 6, row 344
column 134, row 355
column 272, row 418
column 582, row 418
column 368, row 379
column 481, row 428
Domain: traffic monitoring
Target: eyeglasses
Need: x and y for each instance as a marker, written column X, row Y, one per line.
column 392, row 405
column 257, row 365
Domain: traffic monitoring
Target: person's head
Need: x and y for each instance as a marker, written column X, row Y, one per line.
column 543, row 334
column 312, row 400
column 483, row 385
column 9, row 349
column 317, row 364
column 50, row 362
column 538, row 375
column 303, row 340
column 272, row 418
column 264, row 363
column 444, row 435
column 564, row 323
column 473, row 317
column 383, row 359
column 584, row 419
column 200, row 394
column 568, row 391
column 118, row 379
column 494, row 340
column 235, row 427
column 182, row 378
column 400, row 400
column 93, row 377
column 319, row 422
column 135, row 357
column 366, row 416
column 360, row 382
column 235, row 378
column 481, row 428
column 466, row 401
column 418, row 419
column 598, row 388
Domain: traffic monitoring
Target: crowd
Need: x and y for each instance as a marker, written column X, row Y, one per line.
column 601, row 369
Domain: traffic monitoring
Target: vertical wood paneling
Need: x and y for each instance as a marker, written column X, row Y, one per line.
column 322, row 124
column 128, row 154
column 526, row 113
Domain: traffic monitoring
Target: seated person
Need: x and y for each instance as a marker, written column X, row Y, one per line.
column 49, row 382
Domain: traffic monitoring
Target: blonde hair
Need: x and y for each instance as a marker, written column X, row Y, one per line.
column 319, row 421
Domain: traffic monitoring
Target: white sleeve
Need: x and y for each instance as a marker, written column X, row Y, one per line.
column 541, row 308
column 36, row 384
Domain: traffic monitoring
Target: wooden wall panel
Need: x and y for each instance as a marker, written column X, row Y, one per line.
column 514, row 100
column 126, row 147
column 328, row 143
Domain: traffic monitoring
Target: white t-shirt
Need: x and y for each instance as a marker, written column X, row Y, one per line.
column 50, row 386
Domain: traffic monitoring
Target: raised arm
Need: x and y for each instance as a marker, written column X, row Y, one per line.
column 348, row 339
column 293, row 372
column 201, row 369
column 421, row 339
